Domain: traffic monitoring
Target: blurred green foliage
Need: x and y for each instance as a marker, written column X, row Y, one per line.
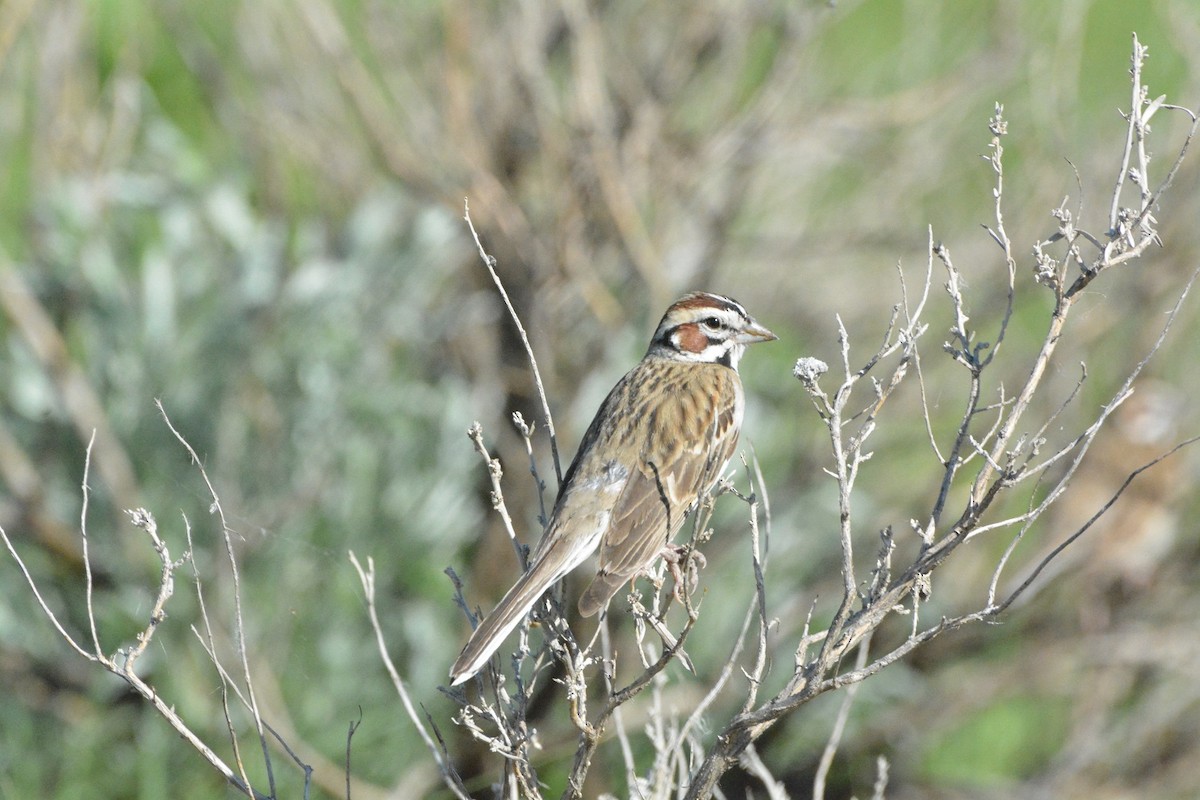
column 251, row 211
column 1006, row 742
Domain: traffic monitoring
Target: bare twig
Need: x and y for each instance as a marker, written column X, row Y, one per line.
column 239, row 622
column 526, row 431
column 839, row 725
column 366, row 577
column 125, row 669
column 50, row 615
column 350, row 738
column 1004, row 458
column 87, row 559
column 210, row 645
column 490, row 262
column 1083, row 529
column 495, row 473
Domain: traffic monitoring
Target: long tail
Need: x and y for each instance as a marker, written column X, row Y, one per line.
column 487, row 638
column 492, row 632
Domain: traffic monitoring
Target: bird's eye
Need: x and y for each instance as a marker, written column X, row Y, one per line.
column 712, row 323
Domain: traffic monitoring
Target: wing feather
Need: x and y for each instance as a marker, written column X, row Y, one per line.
column 686, row 440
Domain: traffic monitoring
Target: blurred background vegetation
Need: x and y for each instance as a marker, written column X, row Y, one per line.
column 252, row 211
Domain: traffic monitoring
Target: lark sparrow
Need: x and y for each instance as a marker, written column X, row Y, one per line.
column 659, row 441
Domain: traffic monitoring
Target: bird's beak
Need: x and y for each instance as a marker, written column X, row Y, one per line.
column 755, row 333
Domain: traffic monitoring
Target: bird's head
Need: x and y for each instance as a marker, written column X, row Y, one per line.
column 707, row 328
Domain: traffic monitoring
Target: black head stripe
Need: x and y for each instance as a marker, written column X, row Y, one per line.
column 695, row 308
column 734, row 305
column 704, row 300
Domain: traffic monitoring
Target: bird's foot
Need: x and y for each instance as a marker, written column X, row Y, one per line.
column 685, row 564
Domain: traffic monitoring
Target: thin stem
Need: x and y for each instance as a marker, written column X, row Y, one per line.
column 366, row 577
column 239, row 623
column 87, row 557
column 490, row 262
column 839, row 725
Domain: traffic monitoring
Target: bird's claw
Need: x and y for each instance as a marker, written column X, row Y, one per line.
column 678, row 558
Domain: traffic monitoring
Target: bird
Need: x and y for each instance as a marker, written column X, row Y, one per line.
column 658, row 443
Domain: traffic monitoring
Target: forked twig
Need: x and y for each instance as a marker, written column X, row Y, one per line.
column 366, row 576
column 1004, row 458
column 239, row 622
column 124, row 669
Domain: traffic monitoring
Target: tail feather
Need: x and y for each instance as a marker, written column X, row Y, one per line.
column 492, row 632
column 561, row 551
column 600, row 591
column 496, row 627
